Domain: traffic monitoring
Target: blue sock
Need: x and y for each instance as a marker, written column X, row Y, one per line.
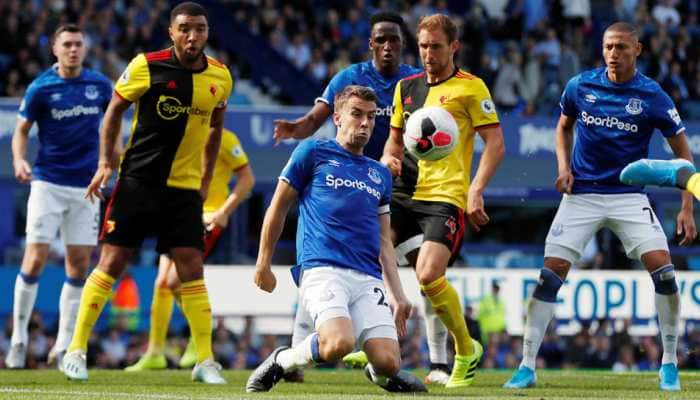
column 664, row 280
column 77, row 282
column 28, row 279
column 548, row 286
column 315, row 355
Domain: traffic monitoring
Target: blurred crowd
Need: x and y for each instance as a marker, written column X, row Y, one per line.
column 604, row 344
column 525, row 50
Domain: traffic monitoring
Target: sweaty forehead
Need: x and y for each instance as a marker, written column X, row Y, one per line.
column 385, row 28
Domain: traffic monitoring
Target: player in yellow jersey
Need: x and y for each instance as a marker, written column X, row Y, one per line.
column 220, row 204
column 180, row 97
column 430, row 197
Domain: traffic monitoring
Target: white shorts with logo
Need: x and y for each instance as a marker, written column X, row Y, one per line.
column 580, row 216
column 52, row 207
column 332, row 292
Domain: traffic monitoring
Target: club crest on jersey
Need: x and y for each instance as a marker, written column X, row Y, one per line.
column 374, row 176
column 634, row 106
column 91, row 92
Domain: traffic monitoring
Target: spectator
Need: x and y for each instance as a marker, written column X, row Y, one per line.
column 491, row 313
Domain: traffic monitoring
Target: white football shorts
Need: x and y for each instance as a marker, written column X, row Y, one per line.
column 52, row 207
column 332, row 292
column 580, row 216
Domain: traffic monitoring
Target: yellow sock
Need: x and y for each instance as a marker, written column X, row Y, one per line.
column 693, row 185
column 447, row 306
column 195, row 306
column 161, row 310
column 96, row 292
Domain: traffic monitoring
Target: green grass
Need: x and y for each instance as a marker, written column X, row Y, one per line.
column 335, row 384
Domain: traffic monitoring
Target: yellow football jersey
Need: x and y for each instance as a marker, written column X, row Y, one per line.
column 171, row 119
column 467, row 98
column 231, row 158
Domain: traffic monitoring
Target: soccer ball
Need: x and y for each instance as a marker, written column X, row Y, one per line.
column 431, row 133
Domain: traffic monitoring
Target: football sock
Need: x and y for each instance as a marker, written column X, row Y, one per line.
column 96, row 292
column 197, row 310
column 68, row 305
column 303, row 326
column 26, row 288
column 436, row 334
column 445, row 301
column 539, row 312
column 667, row 301
column 161, row 310
column 302, row 354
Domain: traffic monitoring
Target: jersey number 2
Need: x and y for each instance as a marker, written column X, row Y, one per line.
column 381, row 301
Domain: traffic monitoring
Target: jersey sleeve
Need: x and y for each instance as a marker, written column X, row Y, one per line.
column 106, row 94
column 665, row 115
column 299, row 169
column 30, row 105
column 228, row 89
column 397, row 120
column 337, row 84
column 568, row 98
column 481, row 109
column 135, row 80
column 385, row 201
column 232, row 152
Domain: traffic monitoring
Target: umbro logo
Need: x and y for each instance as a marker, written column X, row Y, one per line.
column 590, row 98
column 55, row 96
column 334, row 163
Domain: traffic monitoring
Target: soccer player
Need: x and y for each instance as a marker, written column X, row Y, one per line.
column 430, row 196
column 613, row 110
column 220, row 204
column 380, row 73
column 343, row 250
column 66, row 101
column 180, row 95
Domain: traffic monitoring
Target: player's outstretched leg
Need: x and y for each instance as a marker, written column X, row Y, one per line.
column 667, row 173
column 303, row 327
column 539, row 312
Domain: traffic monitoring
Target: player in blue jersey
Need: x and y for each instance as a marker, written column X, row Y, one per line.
column 66, row 101
column 381, row 73
column 613, row 110
column 343, row 250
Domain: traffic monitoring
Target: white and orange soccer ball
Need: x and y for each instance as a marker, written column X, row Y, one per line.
column 431, row 133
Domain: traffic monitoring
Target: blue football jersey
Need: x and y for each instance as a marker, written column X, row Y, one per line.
column 365, row 74
column 614, row 124
column 341, row 196
column 68, row 113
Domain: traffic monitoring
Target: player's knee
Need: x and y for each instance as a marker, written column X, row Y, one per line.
column 427, row 276
column 386, row 363
column 334, row 348
column 548, row 286
column 558, row 265
column 664, row 279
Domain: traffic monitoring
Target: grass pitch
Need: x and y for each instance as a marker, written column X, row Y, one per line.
column 331, row 384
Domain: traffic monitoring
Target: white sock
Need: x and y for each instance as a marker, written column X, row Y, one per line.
column 68, row 303
column 25, row 296
column 377, row 378
column 436, row 334
column 539, row 313
column 668, row 307
column 303, row 326
column 298, row 356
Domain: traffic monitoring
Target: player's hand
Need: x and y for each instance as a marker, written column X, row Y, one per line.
column 402, row 313
column 265, row 279
column 685, row 225
column 99, row 181
column 217, row 218
column 23, row 171
column 285, row 129
column 565, row 181
column 475, row 210
column 393, row 163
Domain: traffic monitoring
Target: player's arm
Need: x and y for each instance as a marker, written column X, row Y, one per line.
column 387, row 257
column 302, row 127
column 491, row 158
column 211, row 149
column 110, row 134
column 393, row 151
column 564, row 141
column 685, row 221
column 272, row 226
column 20, row 139
column 245, row 180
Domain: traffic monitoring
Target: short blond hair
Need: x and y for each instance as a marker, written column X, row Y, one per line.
column 438, row 21
column 363, row 92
